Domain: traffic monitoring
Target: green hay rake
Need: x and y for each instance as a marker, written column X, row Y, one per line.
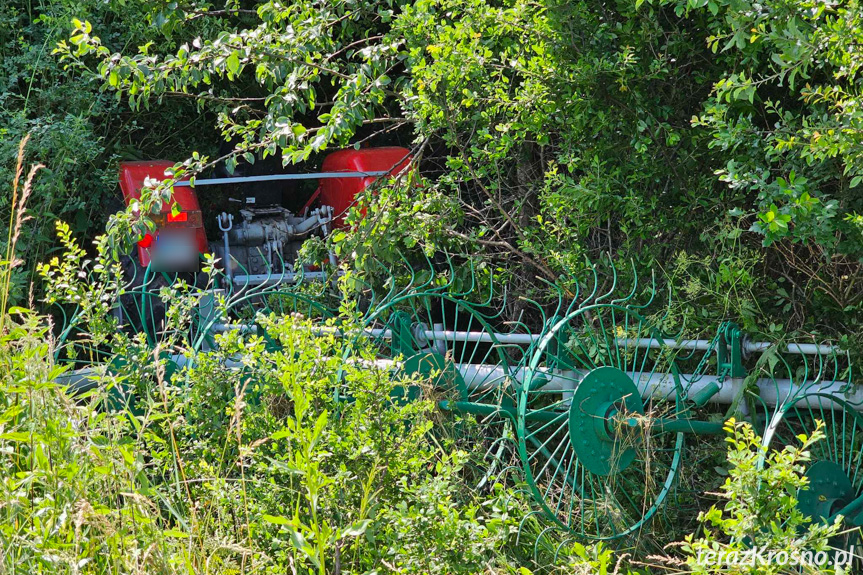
column 585, row 392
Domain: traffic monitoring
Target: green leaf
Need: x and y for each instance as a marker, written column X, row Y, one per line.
column 233, row 63
column 19, row 436
column 357, row 528
column 277, row 520
column 301, row 544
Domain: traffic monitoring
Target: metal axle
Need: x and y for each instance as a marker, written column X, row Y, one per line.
column 276, row 178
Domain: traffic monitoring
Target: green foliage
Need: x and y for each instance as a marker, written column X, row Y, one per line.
column 257, row 468
column 224, row 468
column 547, row 133
column 761, row 510
column 77, row 130
column 792, row 111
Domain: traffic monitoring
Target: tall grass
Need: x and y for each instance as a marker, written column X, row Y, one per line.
column 226, row 471
column 17, row 217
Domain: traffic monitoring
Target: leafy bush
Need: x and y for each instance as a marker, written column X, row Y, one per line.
column 761, row 511
column 551, row 134
column 78, row 130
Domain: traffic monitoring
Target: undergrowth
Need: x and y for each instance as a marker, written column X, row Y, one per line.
column 245, row 460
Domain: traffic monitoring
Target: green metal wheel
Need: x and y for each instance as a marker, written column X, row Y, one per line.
column 835, row 471
column 453, row 344
column 598, row 458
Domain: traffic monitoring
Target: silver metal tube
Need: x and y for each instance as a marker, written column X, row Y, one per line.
column 441, row 335
column 651, row 343
column 796, row 348
column 657, row 386
column 273, row 279
column 276, row 178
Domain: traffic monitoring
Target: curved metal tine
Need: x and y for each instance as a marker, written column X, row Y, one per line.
column 574, row 303
column 681, row 354
column 613, row 281
column 298, row 277
column 135, row 269
column 451, row 281
column 835, row 371
column 231, row 288
column 513, row 494
column 472, row 288
column 266, row 284
column 770, row 414
column 365, row 287
column 71, row 328
column 521, row 524
column 667, row 306
column 818, row 375
column 560, row 297
column 848, row 376
column 539, row 539
column 704, row 363
column 413, row 286
column 237, row 297
column 299, row 271
column 588, row 300
column 488, row 300
column 204, row 335
column 247, row 294
column 793, row 395
column 392, row 292
column 705, row 357
column 519, row 326
column 559, row 547
column 538, row 307
column 429, row 267
column 625, row 299
column 65, row 331
column 652, row 293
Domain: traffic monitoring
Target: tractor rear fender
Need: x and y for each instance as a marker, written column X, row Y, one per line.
column 132, row 177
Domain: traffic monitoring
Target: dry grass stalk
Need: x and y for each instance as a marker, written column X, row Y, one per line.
column 17, row 217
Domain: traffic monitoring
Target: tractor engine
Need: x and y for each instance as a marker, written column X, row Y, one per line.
column 258, row 245
column 266, row 239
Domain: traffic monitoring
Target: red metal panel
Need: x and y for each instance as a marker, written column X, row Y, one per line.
column 340, row 193
column 132, row 176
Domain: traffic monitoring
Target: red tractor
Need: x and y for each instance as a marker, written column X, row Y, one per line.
column 261, row 246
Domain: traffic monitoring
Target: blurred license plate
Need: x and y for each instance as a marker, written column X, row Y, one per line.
column 175, row 251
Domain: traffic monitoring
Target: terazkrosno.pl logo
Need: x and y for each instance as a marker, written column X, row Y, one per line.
column 757, row 556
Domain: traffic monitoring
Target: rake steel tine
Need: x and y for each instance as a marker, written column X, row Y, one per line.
column 539, row 539
column 527, row 516
column 613, row 282
column 632, row 293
